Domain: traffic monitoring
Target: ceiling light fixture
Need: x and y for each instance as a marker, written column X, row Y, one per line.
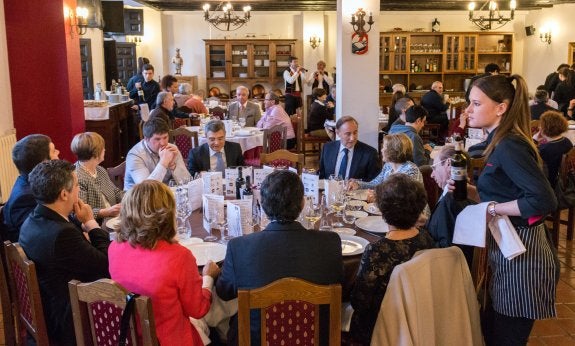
column 484, row 22
column 228, row 20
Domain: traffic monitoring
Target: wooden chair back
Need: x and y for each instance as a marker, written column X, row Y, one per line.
column 141, row 129
column 474, row 168
column 284, row 299
column 303, row 139
column 567, row 167
column 218, row 112
column 184, row 139
column 97, row 308
column 275, row 139
column 431, row 133
column 6, row 301
column 24, row 286
column 117, row 174
column 179, row 122
column 283, row 157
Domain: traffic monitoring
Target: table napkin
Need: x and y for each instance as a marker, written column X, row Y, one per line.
column 506, row 237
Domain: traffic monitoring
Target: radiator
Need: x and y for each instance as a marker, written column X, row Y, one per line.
column 8, row 171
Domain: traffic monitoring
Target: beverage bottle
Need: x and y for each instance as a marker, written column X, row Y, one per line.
column 113, row 86
column 459, row 171
column 98, row 92
column 141, row 96
column 427, row 65
column 239, row 183
column 247, row 192
column 119, row 87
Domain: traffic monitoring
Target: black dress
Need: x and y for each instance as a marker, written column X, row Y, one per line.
column 563, row 94
column 318, row 114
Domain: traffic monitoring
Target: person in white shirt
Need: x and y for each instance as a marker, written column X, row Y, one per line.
column 293, row 77
column 320, row 78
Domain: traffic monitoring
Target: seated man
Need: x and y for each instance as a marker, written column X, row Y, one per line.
column 165, row 104
column 415, row 121
column 348, row 157
column 26, row 154
column 196, row 104
column 436, row 106
column 216, row 154
column 540, row 105
column 154, row 158
column 170, row 84
column 441, row 224
column 242, row 108
column 58, row 246
column 283, row 249
column 276, row 115
column 400, row 107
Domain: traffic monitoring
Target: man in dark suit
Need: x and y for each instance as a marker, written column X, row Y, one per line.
column 216, row 154
column 436, row 105
column 348, row 157
column 26, row 154
column 58, row 246
column 283, row 249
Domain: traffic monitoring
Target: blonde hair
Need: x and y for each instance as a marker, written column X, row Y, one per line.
column 397, row 148
column 87, row 145
column 148, row 215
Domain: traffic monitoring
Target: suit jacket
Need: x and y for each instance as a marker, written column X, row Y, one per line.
column 19, row 206
column 281, row 250
column 199, row 158
column 433, row 103
column 252, row 113
column 62, row 253
column 365, row 163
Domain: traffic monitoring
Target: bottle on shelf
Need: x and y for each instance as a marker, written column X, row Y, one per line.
column 459, row 171
column 247, row 192
column 427, row 65
column 98, row 92
column 239, row 183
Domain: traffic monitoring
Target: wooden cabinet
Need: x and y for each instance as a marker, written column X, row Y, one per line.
column 119, row 132
column 120, row 61
column 133, row 21
column 230, row 63
column 417, row 59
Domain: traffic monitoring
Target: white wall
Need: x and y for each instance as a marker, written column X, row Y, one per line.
column 6, row 117
column 96, row 37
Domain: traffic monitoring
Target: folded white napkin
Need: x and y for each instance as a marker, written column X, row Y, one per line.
column 506, row 237
column 470, row 225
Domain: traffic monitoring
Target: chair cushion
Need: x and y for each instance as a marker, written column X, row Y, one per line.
column 107, row 317
column 23, row 293
column 291, row 321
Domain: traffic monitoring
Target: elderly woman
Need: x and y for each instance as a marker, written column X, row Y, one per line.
column 147, row 260
column 552, row 125
column 276, row 115
column 380, row 258
column 397, row 153
column 96, row 188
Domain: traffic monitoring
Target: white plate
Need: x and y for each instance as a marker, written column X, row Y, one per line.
column 373, row 224
column 113, row 223
column 372, row 209
column 343, row 231
column 207, row 251
column 359, row 194
column 352, row 245
column 357, row 213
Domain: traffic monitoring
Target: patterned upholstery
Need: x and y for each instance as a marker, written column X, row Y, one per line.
column 218, row 112
column 106, row 318
column 275, row 141
column 184, row 140
column 178, row 122
column 23, row 292
column 290, row 322
column 281, row 163
column 252, row 156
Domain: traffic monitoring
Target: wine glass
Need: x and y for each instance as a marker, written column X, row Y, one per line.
column 337, row 204
column 242, row 122
column 312, row 212
column 210, row 218
column 349, row 214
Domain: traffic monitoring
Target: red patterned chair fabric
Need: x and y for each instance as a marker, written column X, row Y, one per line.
column 23, row 293
column 252, row 156
column 106, row 317
column 184, row 140
column 291, row 322
column 179, row 122
column 218, row 112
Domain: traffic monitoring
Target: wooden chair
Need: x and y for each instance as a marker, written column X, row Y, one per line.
column 474, row 168
column 303, row 139
column 218, row 112
column 274, row 139
column 431, row 133
column 179, row 122
column 567, row 165
column 24, row 286
column 141, row 129
column 283, row 157
column 184, row 139
column 97, row 308
column 116, row 174
column 283, row 300
column 6, row 301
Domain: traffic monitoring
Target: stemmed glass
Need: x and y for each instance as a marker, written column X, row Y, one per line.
column 210, row 220
column 312, row 212
column 349, row 214
column 242, row 122
column 338, row 201
column 183, row 211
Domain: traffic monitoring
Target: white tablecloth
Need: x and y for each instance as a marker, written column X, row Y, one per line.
column 246, row 142
column 99, row 113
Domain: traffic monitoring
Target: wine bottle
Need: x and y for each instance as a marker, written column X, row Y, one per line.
column 459, row 172
column 141, row 96
column 247, row 192
column 239, row 183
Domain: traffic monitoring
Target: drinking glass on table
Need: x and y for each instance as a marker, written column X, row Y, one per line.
column 210, row 218
column 337, row 204
column 349, row 214
column 312, row 212
column 183, row 212
column 242, row 122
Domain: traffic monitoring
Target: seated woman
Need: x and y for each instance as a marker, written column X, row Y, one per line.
column 146, row 259
column 397, row 153
column 276, row 115
column 552, row 125
column 398, row 92
column 398, row 246
column 318, row 113
column 96, row 188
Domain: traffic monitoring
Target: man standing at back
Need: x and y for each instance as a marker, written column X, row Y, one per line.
column 149, row 86
column 58, row 246
column 294, row 75
column 283, row 249
column 348, row 157
column 243, row 108
column 415, row 117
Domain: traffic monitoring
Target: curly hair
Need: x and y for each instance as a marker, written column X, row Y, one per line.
column 401, row 200
column 282, row 196
column 148, row 215
column 49, row 178
column 553, row 123
column 397, row 148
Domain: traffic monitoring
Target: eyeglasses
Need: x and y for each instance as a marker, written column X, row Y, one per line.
column 440, row 163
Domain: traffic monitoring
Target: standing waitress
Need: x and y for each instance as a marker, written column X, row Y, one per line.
column 522, row 289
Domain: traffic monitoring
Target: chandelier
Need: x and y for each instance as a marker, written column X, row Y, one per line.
column 484, row 21
column 228, row 20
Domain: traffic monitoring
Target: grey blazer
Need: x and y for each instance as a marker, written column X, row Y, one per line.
column 252, row 113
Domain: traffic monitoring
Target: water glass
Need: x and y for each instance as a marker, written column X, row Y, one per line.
column 349, row 215
column 242, row 122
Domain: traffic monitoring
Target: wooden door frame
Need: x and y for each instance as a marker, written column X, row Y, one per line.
column 571, row 56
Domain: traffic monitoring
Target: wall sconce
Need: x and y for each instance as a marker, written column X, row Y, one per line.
column 78, row 21
column 359, row 23
column 545, row 37
column 314, row 41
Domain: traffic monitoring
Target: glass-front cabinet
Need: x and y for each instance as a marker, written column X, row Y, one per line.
column 216, row 64
column 393, row 53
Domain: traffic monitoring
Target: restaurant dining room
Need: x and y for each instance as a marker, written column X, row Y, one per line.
column 334, row 172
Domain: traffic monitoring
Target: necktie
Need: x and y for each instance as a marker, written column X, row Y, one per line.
column 220, row 167
column 343, row 164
